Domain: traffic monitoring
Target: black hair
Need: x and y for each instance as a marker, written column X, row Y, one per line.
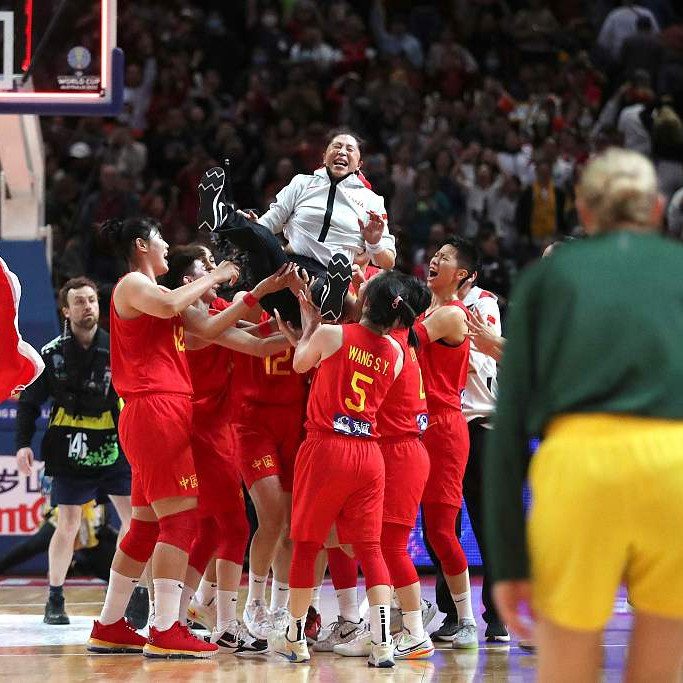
column 388, row 299
column 180, row 261
column 332, row 134
column 469, row 256
column 121, row 234
column 418, row 299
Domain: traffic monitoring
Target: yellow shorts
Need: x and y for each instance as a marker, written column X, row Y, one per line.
column 607, row 507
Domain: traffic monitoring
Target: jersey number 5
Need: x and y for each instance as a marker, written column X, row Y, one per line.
column 359, row 391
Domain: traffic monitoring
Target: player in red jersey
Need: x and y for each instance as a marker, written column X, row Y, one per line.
column 150, row 372
column 339, row 471
column 223, row 526
column 444, row 359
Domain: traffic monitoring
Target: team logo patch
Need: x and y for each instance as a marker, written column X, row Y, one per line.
column 344, row 424
column 422, row 421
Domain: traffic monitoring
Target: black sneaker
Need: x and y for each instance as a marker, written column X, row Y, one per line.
column 447, row 630
column 55, row 614
column 497, row 633
column 237, row 640
column 212, row 204
column 335, row 288
column 137, row 611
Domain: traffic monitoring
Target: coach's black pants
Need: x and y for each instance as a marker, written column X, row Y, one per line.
column 473, row 494
column 266, row 256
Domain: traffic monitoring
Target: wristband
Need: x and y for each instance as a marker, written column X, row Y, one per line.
column 250, row 300
column 374, row 248
column 265, row 329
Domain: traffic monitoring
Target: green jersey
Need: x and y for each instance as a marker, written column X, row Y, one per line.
column 595, row 328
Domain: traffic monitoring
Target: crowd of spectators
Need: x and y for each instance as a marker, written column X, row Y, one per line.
column 477, row 116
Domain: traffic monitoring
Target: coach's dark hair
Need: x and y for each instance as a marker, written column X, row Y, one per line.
column 74, row 283
column 121, row 234
column 469, row 256
column 180, row 260
column 332, row 134
column 388, row 300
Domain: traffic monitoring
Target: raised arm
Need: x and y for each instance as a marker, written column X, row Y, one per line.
column 136, row 294
column 447, row 323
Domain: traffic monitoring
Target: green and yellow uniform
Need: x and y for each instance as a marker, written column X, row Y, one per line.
column 594, row 365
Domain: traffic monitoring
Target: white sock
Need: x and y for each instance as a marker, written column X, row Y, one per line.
column 185, row 599
column 379, row 624
column 226, row 605
column 257, row 587
column 315, row 599
column 348, row 604
column 279, row 595
column 118, row 595
column 463, row 603
column 206, row 593
column 412, row 621
column 167, row 594
column 296, row 628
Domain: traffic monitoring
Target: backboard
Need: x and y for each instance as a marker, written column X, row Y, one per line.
column 60, row 57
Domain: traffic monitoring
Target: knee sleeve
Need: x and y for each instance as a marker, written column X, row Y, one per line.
column 394, row 544
column 233, row 538
column 302, row 571
column 372, row 564
column 343, row 569
column 140, row 539
column 179, row 530
column 440, row 522
column 204, row 546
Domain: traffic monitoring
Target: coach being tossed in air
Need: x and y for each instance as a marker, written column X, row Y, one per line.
column 329, row 218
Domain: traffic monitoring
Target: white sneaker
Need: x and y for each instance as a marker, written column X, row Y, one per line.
column 237, row 640
column 466, row 635
column 407, row 646
column 257, row 619
column 341, row 631
column 428, row 612
column 360, row 646
column 279, row 618
column 203, row 616
column 295, row 651
column 381, row 655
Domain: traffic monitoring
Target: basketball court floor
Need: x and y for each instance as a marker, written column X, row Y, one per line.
column 32, row 652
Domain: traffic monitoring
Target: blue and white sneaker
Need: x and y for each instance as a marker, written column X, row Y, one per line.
column 295, row 651
column 382, row 655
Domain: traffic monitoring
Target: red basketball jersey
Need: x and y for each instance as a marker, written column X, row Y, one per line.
column 210, row 370
column 350, row 385
column 148, row 355
column 270, row 380
column 444, row 370
column 404, row 411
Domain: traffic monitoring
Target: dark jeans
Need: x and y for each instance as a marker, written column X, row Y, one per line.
column 266, row 256
column 473, row 494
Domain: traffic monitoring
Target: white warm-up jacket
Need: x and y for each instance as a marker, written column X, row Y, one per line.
column 320, row 218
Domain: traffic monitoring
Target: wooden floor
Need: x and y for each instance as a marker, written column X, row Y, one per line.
column 32, row 652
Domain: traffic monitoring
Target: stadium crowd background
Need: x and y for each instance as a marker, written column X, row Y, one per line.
column 478, row 116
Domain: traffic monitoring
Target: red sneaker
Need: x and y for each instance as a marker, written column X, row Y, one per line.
column 117, row 638
column 177, row 642
column 313, row 625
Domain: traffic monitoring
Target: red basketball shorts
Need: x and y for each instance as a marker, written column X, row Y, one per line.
column 267, row 438
column 154, row 430
column 448, row 442
column 406, row 467
column 338, row 480
column 220, row 492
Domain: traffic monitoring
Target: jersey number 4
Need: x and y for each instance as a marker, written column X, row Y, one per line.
column 359, row 391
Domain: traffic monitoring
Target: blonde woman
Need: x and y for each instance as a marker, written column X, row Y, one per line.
column 593, row 364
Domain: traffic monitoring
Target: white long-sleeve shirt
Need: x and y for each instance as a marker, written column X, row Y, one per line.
column 479, row 399
column 320, row 219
